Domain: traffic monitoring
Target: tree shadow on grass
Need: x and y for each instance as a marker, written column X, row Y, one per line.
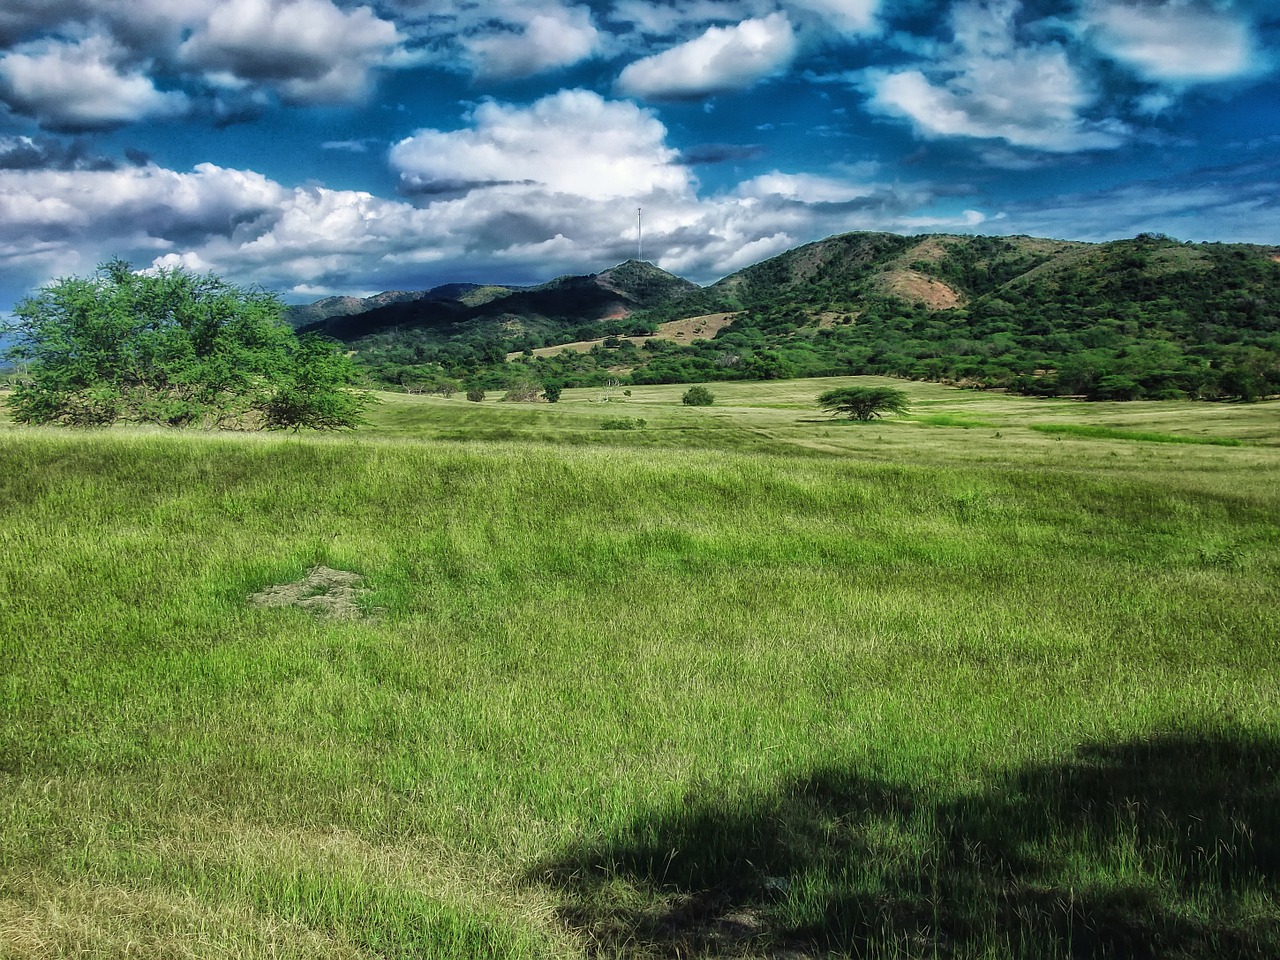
column 1167, row 846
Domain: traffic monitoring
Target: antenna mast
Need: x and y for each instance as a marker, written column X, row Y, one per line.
column 639, row 234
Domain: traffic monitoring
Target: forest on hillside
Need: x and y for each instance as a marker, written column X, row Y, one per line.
column 1147, row 318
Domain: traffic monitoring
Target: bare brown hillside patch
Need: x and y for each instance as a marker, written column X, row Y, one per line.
column 324, row 591
column 918, row 288
column 694, row 328
column 679, row 331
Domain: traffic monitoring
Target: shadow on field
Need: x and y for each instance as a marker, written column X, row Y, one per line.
column 1162, row 847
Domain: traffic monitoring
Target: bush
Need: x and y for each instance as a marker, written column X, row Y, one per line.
column 175, row 348
column 698, row 397
column 622, row 423
column 524, row 391
column 475, row 394
column 551, row 391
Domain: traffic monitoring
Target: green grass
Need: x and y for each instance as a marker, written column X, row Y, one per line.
column 1110, row 433
column 744, row 680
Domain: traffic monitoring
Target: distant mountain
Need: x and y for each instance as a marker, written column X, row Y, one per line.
column 566, row 307
column 310, row 314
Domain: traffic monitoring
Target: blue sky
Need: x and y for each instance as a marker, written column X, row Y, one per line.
column 323, row 146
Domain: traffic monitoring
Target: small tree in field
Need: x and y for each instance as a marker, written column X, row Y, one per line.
column 863, row 403
column 698, row 397
column 174, row 348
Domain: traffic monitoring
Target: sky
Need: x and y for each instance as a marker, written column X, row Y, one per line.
column 320, row 147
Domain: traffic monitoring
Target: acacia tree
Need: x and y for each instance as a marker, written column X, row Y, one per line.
column 863, row 403
column 176, row 348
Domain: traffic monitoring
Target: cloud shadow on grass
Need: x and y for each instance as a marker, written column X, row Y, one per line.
column 1165, row 846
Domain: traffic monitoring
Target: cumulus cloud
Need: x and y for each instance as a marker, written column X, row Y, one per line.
column 720, row 60
column 805, row 187
column 545, row 218
column 312, row 51
column 542, row 40
column 147, row 205
column 572, row 142
column 81, row 86
column 1174, row 41
column 990, row 86
column 497, row 39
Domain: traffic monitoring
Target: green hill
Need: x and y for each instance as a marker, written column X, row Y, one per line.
column 1149, row 317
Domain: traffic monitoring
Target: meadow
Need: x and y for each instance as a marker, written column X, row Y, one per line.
column 997, row 679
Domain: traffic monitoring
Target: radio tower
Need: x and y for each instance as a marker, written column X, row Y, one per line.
column 639, row 235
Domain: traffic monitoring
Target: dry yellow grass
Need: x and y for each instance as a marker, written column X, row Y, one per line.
column 679, row 331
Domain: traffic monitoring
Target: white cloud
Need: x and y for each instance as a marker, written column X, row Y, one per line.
column 1175, row 41
column 137, row 202
column 804, row 187
column 545, row 219
column 847, row 16
column 572, row 142
column 81, row 86
column 722, row 59
column 544, row 40
column 312, row 51
column 179, row 261
column 991, row 87
column 497, row 39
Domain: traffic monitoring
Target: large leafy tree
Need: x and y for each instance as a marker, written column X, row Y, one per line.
column 172, row 347
column 863, row 403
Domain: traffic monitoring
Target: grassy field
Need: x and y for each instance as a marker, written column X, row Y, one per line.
column 743, row 682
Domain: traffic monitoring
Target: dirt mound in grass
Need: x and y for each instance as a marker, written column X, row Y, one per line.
column 325, row 591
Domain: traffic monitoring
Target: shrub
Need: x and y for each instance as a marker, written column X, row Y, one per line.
column 475, row 394
column 622, row 423
column 698, row 397
column 524, row 391
column 176, row 348
column 551, row 391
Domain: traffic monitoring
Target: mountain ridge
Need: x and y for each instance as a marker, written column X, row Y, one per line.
column 1144, row 317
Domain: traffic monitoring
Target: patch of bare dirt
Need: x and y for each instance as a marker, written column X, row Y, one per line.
column 680, row 331
column 916, row 287
column 694, row 328
column 324, row 591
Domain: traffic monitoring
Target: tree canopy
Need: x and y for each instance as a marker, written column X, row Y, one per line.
column 173, row 347
column 863, row 403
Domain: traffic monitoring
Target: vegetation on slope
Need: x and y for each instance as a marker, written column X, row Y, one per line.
column 1143, row 318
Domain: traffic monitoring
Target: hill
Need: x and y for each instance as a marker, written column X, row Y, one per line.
column 1146, row 317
